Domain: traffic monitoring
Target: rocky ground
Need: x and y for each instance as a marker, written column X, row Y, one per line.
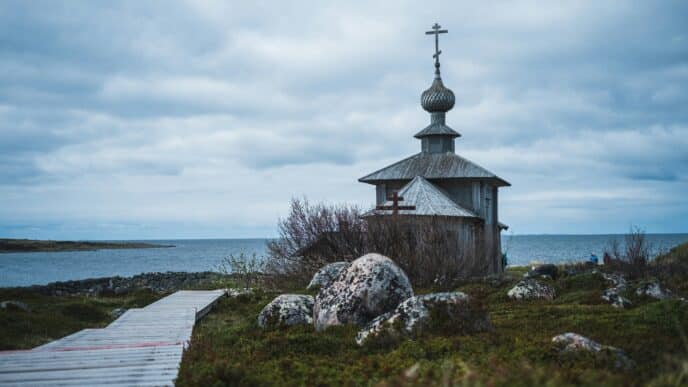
column 552, row 326
column 157, row 282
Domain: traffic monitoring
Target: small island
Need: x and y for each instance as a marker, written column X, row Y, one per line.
column 30, row 245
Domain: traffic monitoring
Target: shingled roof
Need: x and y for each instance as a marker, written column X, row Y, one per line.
column 428, row 199
column 446, row 165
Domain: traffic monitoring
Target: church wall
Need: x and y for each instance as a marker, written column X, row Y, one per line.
column 459, row 191
column 385, row 190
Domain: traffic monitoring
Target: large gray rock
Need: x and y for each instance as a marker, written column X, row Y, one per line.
column 613, row 297
column 327, row 274
column 371, row 286
column 415, row 314
column 613, row 294
column 529, row 289
column 652, row 289
column 572, row 343
column 11, row 304
column 286, row 310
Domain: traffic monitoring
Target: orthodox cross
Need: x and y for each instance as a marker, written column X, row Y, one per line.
column 436, row 31
column 395, row 207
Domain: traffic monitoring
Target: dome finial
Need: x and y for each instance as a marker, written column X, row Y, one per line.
column 437, row 99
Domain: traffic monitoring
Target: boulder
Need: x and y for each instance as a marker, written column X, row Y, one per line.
column 613, row 294
column 613, row 297
column 327, row 274
column 236, row 292
column 548, row 271
column 17, row 305
column 372, row 285
column 416, row 314
column 117, row 312
column 286, row 310
column 573, row 343
column 652, row 289
column 529, row 289
column 617, row 280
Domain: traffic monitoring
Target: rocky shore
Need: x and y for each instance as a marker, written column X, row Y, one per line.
column 157, row 282
column 30, row 245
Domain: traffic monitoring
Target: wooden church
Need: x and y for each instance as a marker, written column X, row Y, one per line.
column 439, row 185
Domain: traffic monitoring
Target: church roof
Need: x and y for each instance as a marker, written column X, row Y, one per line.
column 446, row 165
column 435, row 129
column 428, row 199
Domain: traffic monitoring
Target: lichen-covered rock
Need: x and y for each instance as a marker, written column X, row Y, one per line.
column 327, row 274
column 652, row 289
column 236, row 292
column 543, row 271
column 613, row 297
column 572, row 343
column 417, row 313
column 11, row 304
column 530, row 289
column 372, row 285
column 617, row 280
column 287, row 309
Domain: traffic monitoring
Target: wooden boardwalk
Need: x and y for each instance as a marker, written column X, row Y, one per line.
column 143, row 347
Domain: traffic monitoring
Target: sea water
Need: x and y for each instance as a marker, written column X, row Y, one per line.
column 22, row 269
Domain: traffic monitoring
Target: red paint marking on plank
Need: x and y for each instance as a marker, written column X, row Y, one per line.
column 98, row 347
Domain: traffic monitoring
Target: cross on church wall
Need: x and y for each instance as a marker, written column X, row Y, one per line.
column 395, row 207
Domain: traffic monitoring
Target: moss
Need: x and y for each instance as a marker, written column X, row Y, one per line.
column 54, row 317
column 228, row 348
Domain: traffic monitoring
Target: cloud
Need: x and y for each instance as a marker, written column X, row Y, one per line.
column 206, row 117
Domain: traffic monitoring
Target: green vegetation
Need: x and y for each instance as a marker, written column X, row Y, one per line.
column 29, row 245
column 229, row 349
column 52, row 317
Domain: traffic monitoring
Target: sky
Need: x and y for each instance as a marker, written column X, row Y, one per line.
column 202, row 119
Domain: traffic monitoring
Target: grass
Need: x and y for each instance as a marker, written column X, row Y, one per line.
column 52, row 317
column 229, row 349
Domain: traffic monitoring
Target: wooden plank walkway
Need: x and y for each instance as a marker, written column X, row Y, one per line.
column 143, row 347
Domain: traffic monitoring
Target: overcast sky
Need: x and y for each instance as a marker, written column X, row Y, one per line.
column 133, row 120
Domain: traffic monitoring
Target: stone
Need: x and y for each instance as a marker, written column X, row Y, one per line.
column 530, row 289
column 287, row 310
column 573, row 343
column 117, row 312
column 372, row 285
column 652, row 289
column 236, row 292
column 547, row 271
column 327, row 274
column 11, row 304
column 415, row 315
column 617, row 280
column 613, row 297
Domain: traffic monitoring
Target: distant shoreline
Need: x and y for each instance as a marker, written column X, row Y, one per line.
column 37, row 246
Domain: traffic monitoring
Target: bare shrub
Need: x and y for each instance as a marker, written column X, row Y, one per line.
column 430, row 254
column 247, row 269
column 313, row 235
column 634, row 257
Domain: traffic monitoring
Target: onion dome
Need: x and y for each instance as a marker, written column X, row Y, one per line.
column 437, row 99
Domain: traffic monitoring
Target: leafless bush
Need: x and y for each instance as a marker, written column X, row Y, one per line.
column 431, row 254
column 247, row 269
column 313, row 235
column 634, row 258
